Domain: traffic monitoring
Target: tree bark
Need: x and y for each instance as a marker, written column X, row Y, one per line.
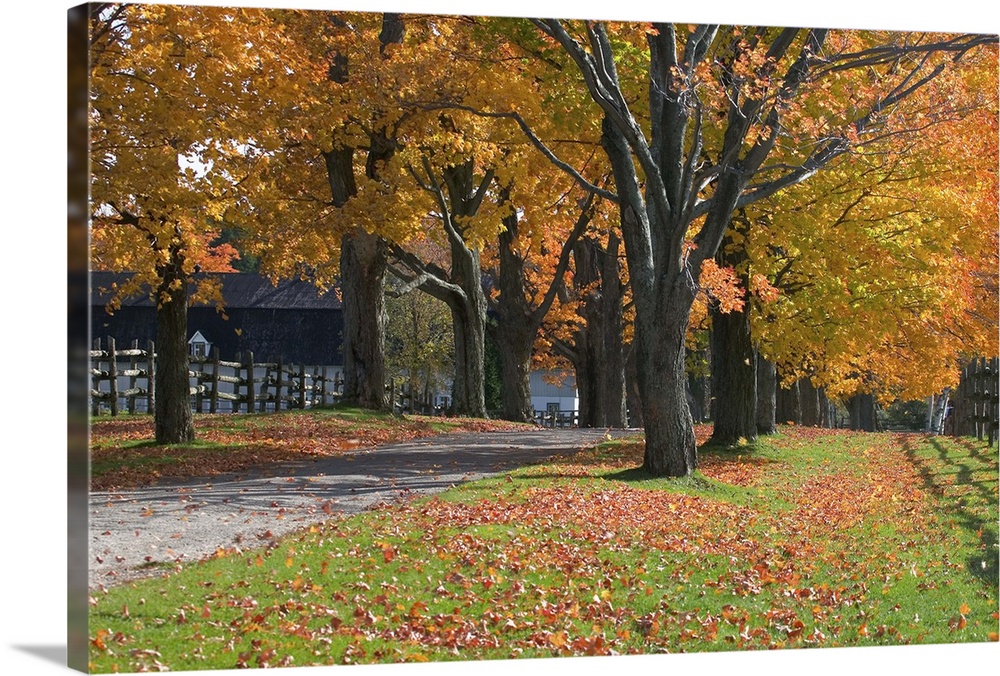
column 363, row 267
column 515, row 328
column 787, row 408
column 862, row 412
column 515, row 374
column 600, row 352
column 459, row 195
column 173, row 419
column 734, row 378
column 937, row 413
column 697, row 391
column 767, row 383
column 826, row 412
column 632, row 399
column 469, row 325
column 734, row 364
column 809, row 403
column 670, row 443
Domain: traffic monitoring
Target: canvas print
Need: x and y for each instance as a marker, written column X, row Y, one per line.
column 421, row 338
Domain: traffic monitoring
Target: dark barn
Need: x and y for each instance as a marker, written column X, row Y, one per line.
column 290, row 321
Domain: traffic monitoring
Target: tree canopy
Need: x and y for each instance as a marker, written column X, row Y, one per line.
column 806, row 177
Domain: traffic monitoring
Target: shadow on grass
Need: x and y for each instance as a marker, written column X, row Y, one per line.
column 984, row 564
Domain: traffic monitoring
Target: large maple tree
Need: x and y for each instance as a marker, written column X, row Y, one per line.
column 183, row 105
column 714, row 140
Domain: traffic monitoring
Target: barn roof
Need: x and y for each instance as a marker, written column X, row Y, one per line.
column 239, row 290
column 291, row 320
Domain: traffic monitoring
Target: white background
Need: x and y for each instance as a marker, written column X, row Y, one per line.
column 32, row 246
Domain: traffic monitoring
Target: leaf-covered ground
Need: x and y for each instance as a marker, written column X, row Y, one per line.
column 123, row 454
column 812, row 538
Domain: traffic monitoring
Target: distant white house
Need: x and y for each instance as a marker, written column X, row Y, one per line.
column 547, row 397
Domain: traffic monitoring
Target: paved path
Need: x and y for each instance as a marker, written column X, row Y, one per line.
column 187, row 521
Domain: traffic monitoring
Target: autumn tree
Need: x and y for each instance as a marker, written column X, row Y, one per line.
column 879, row 266
column 364, row 166
column 678, row 181
column 363, row 262
column 598, row 349
column 460, row 190
column 178, row 120
column 887, row 177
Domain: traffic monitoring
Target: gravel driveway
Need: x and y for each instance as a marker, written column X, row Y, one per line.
column 134, row 533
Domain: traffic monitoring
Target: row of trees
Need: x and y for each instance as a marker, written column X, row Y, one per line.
column 594, row 192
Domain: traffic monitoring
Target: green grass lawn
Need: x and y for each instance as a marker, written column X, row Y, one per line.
column 810, row 538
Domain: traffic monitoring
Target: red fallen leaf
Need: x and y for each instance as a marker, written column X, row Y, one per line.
column 388, row 554
column 795, row 631
column 98, row 641
column 559, row 639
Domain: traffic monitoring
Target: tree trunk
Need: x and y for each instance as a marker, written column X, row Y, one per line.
column 826, row 412
column 697, row 388
column 734, row 363
column 584, row 375
column 468, row 312
column 515, row 345
column 862, row 411
column 767, row 383
column 809, row 403
column 468, row 389
column 663, row 307
column 174, row 421
column 600, row 353
column 363, row 262
column 938, row 411
column 734, row 378
column 787, row 405
column 362, row 270
column 632, row 399
column 516, row 325
column 670, row 444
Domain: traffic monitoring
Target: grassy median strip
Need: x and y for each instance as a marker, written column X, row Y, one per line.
column 810, row 538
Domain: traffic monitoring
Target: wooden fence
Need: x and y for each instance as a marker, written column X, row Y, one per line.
column 125, row 379
column 976, row 402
